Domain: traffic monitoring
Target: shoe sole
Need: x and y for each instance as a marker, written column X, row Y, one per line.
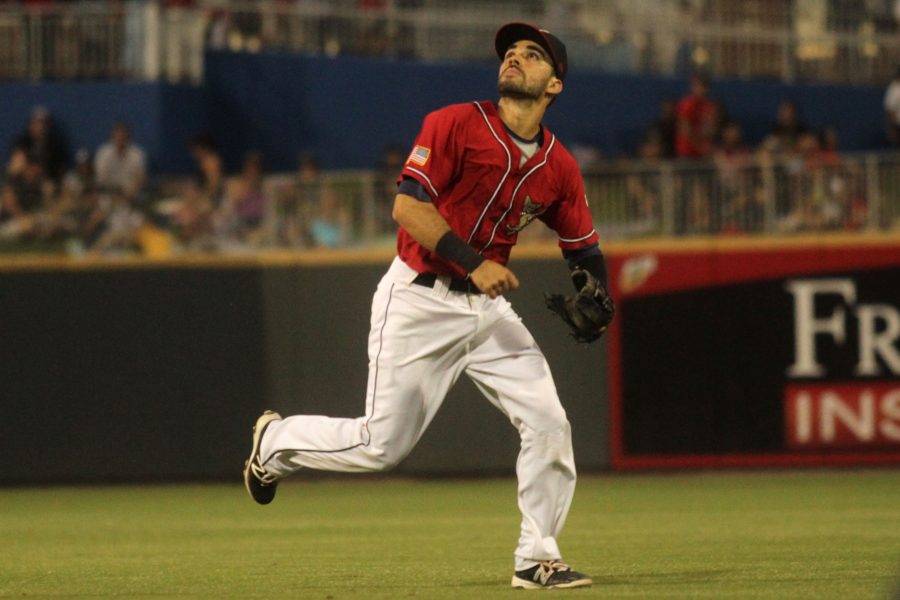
column 524, row 584
column 258, row 428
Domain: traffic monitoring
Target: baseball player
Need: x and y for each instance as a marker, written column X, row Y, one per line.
column 478, row 174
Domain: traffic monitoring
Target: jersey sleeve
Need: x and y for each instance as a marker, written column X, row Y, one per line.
column 435, row 158
column 570, row 216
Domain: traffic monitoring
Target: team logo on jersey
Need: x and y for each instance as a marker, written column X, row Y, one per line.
column 530, row 212
column 419, row 155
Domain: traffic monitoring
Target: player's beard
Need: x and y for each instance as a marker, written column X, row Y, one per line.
column 521, row 90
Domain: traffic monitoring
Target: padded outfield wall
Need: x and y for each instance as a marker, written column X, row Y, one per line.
column 724, row 353
column 143, row 370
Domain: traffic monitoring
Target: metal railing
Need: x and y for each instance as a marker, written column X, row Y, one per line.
column 138, row 39
column 821, row 40
column 743, row 195
column 747, row 195
column 629, row 200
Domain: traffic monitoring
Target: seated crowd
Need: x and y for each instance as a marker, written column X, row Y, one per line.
column 106, row 203
column 811, row 186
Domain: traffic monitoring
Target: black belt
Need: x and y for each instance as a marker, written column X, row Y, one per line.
column 456, row 285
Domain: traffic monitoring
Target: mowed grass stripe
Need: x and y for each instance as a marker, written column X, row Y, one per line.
column 806, row 534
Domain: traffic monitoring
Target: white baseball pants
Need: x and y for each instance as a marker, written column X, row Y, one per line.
column 420, row 341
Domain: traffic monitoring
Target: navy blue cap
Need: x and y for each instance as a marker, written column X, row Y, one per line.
column 511, row 33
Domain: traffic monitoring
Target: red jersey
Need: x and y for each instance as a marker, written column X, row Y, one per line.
column 469, row 165
column 699, row 114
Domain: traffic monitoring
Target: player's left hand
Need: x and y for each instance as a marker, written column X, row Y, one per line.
column 589, row 312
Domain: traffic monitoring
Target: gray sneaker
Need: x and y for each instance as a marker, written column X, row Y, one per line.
column 260, row 483
column 550, row 574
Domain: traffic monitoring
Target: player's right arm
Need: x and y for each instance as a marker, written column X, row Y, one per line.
column 420, row 219
column 426, row 225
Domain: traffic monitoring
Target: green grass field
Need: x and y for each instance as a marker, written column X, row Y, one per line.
column 806, row 534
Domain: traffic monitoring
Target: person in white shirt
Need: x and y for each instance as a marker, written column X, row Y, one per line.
column 892, row 108
column 120, row 165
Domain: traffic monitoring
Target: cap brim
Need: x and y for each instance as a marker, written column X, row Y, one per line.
column 511, row 33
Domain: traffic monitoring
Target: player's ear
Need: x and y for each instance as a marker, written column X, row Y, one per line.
column 554, row 87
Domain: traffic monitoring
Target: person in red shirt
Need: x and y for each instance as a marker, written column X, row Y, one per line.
column 696, row 121
column 477, row 175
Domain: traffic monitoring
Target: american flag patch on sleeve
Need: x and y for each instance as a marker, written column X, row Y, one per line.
column 419, row 155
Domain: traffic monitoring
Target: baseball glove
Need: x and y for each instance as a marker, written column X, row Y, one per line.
column 589, row 312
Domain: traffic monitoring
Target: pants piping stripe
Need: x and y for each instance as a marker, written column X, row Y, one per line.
column 374, row 396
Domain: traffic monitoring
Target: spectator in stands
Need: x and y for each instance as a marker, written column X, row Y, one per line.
column 312, row 215
column 814, row 206
column 666, row 126
column 41, row 141
column 786, row 130
column 121, row 222
column 828, row 144
column 731, row 155
column 698, row 208
column 120, row 165
column 330, row 225
column 81, row 178
column 738, row 202
column 208, row 161
column 844, row 203
column 642, row 189
column 292, row 209
column 748, row 211
column 80, row 202
column 643, row 204
column 25, row 195
column 696, row 121
column 721, row 119
column 203, row 196
column 805, row 216
column 241, row 216
column 892, row 109
column 808, row 149
column 652, row 146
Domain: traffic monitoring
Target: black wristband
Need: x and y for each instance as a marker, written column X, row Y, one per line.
column 454, row 249
column 595, row 264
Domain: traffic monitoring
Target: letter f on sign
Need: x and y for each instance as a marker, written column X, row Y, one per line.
column 807, row 326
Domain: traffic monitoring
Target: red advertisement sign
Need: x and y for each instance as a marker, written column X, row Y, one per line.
column 849, row 416
column 756, row 354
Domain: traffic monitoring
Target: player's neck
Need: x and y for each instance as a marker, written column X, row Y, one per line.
column 522, row 117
